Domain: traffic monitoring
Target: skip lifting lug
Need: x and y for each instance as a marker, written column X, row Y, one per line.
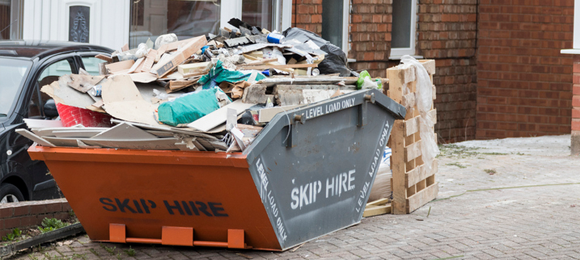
column 362, row 109
column 370, row 98
column 299, row 118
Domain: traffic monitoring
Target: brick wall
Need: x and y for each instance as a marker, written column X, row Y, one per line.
column 369, row 31
column 30, row 214
column 307, row 14
column 370, row 34
column 447, row 32
column 524, row 83
column 575, row 147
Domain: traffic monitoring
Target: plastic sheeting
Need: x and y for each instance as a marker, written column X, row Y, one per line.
column 335, row 60
column 219, row 74
column 423, row 100
column 188, row 108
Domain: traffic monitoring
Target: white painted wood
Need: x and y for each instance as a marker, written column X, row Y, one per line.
column 48, row 20
column 286, row 12
column 230, row 9
column 345, row 22
column 576, row 39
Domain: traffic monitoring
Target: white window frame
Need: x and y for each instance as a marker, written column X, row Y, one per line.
column 397, row 53
column 576, row 37
column 345, row 23
column 233, row 9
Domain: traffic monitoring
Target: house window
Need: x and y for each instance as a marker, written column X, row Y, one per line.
column 151, row 18
column 335, row 20
column 404, row 24
column 79, row 21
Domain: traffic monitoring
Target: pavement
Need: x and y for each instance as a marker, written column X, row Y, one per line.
column 515, row 198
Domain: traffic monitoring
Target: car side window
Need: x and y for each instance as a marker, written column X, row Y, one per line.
column 49, row 74
column 92, row 65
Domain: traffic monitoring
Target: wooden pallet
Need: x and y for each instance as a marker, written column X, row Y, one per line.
column 413, row 186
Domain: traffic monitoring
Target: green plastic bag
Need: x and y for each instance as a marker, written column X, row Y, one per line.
column 365, row 81
column 188, row 108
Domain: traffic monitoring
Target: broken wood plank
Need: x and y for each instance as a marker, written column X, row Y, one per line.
column 194, row 45
column 149, row 60
column 378, row 202
column 422, row 197
column 104, row 57
column 176, row 85
column 265, row 67
column 119, row 66
column 420, row 173
column 193, row 68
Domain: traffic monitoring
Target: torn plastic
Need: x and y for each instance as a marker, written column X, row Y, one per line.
column 424, row 101
column 165, row 39
column 335, row 60
column 219, row 74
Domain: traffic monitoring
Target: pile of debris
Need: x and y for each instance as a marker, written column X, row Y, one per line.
column 207, row 93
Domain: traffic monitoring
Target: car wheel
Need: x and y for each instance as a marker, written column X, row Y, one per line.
column 10, row 193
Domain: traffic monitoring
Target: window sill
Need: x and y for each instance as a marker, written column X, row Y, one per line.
column 570, row 51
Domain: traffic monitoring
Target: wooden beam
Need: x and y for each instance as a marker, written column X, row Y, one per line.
column 398, row 146
column 377, row 210
column 378, row 202
column 422, row 197
column 265, row 67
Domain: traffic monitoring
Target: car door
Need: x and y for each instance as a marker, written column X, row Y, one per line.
column 39, row 183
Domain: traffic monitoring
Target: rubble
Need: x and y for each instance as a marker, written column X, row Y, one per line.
column 178, row 94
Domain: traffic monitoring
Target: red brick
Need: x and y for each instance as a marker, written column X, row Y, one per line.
column 575, row 125
column 6, row 213
column 21, row 210
column 576, row 101
column 54, row 207
column 576, row 113
column 11, row 223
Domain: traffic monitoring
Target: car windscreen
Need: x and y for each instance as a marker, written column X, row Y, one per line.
column 12, row 75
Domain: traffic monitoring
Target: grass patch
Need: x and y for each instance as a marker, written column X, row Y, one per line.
column 490, row 171
column 130, row 251
column 457, row 164
column 50, row 224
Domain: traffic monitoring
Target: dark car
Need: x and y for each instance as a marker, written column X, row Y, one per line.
column 26, row 66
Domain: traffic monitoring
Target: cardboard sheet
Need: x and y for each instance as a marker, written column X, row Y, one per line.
column 123, row 100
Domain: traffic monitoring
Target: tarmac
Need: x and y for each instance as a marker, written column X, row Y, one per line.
column 515, row 198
